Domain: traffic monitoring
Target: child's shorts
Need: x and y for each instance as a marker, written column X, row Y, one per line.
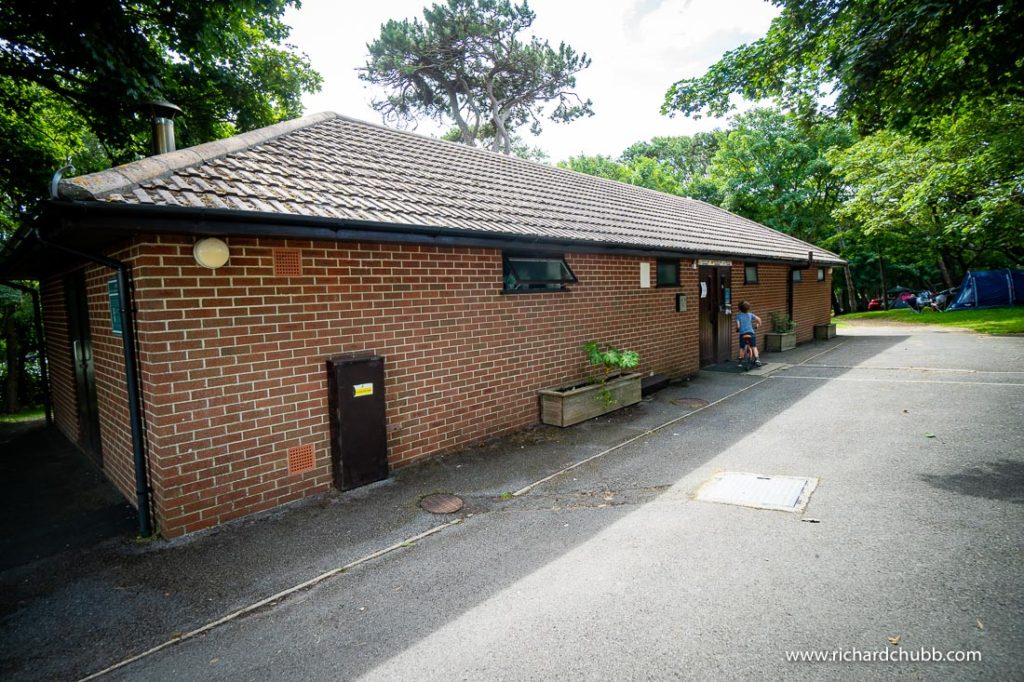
column 748, row 339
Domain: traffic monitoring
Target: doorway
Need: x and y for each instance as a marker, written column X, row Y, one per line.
column 715, row 331
column 82, row 361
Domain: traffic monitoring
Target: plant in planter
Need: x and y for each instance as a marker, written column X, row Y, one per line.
column 611, row 362
column 608, row 388
column 783, row 334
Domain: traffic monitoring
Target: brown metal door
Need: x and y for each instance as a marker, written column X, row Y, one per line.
column 359, row 434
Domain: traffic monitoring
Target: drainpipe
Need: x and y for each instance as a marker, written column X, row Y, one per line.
column 41, row 345
column 131, row 376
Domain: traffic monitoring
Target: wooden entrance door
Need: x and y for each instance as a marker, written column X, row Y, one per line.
column 715, row 314
column 82, row 360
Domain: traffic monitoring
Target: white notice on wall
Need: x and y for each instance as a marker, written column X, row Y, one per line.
column 703, row 289
column 645, row 275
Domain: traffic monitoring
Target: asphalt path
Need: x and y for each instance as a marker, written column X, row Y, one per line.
column 912, row 542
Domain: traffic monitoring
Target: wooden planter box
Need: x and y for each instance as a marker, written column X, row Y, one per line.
column 572, row 403
column 824, row 332
column 775, row 342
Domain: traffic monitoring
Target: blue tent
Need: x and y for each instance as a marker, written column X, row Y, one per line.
column 990, row 289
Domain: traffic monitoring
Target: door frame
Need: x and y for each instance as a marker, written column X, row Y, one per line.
column 83, row 365
column 715, row 319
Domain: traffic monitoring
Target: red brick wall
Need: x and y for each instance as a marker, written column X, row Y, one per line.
column 812, row 303
column 811, row 299
column 111, row 389
column 233, row 360
column 58, row 357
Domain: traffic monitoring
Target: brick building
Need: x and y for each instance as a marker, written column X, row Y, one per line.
column 474, row 276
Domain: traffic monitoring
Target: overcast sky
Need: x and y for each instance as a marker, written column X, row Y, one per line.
column 638, row 49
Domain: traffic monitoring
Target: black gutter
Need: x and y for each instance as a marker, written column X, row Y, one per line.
column 161, row 219
column 131, row 376
column 40, row 347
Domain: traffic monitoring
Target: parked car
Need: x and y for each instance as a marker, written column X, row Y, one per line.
column 875, row 304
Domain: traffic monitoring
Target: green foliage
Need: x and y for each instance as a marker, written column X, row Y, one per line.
column 772, row 168
column 674, row 165
column 20, row 374
column 467, row 62
column 782, row 323
column 895, row 64
column 608, row 361
column 953, row 200
column 28, row 415
column 642, row 171
column 74, row 74
column 689, row 157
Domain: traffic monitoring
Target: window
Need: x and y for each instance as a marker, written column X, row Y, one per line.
column 798, row 275
column 821, row 274
column 749, row 274
column 527, row 272
column 668, row 272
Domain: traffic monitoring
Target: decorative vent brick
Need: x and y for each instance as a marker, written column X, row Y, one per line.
column 287, row 263
column 300, row 459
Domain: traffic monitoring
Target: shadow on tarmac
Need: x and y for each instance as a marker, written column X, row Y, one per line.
column 127, row 600
column 999, row 480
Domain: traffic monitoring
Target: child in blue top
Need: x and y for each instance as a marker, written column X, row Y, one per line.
column 746, row 323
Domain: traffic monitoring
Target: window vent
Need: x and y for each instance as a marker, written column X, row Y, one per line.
column 287, row 263
column 300, row 459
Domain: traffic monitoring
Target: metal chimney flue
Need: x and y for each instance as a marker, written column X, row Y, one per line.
column 163, row 114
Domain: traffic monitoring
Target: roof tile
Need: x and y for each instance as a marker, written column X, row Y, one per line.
column 329, row 166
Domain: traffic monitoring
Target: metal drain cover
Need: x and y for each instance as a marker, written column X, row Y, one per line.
column 691, row 403
column 781, row 493
column 441, row 503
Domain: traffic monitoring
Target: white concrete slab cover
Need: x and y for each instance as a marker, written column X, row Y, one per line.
column 781, row 493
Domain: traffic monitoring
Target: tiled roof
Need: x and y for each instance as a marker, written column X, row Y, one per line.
column 328, row 166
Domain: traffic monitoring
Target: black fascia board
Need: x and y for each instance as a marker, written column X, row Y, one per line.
column 159, row 219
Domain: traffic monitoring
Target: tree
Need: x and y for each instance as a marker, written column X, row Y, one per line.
column 954, row 200
column 74, row 76
column 895, row 64
column 220, row 60
column 771, row 168
column 689, row 156
column 642, row 171
column 520, row 147
column 688, row 159
column 466, row 62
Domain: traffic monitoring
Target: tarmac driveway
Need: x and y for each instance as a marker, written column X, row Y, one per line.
column 910, row 546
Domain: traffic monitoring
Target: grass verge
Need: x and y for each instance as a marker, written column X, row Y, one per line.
column 28, row 415
column 989, row 321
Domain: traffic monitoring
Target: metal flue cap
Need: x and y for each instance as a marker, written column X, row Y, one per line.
column 162, row 109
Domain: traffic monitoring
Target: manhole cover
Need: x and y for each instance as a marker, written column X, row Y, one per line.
column 690, row 403
column 781, row 493
column 441, row 503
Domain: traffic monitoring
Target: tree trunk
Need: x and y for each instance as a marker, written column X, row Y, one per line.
column 881, row 274
column 945, row 271
column 12, row 386
column 468, row 135
column 851, row 305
